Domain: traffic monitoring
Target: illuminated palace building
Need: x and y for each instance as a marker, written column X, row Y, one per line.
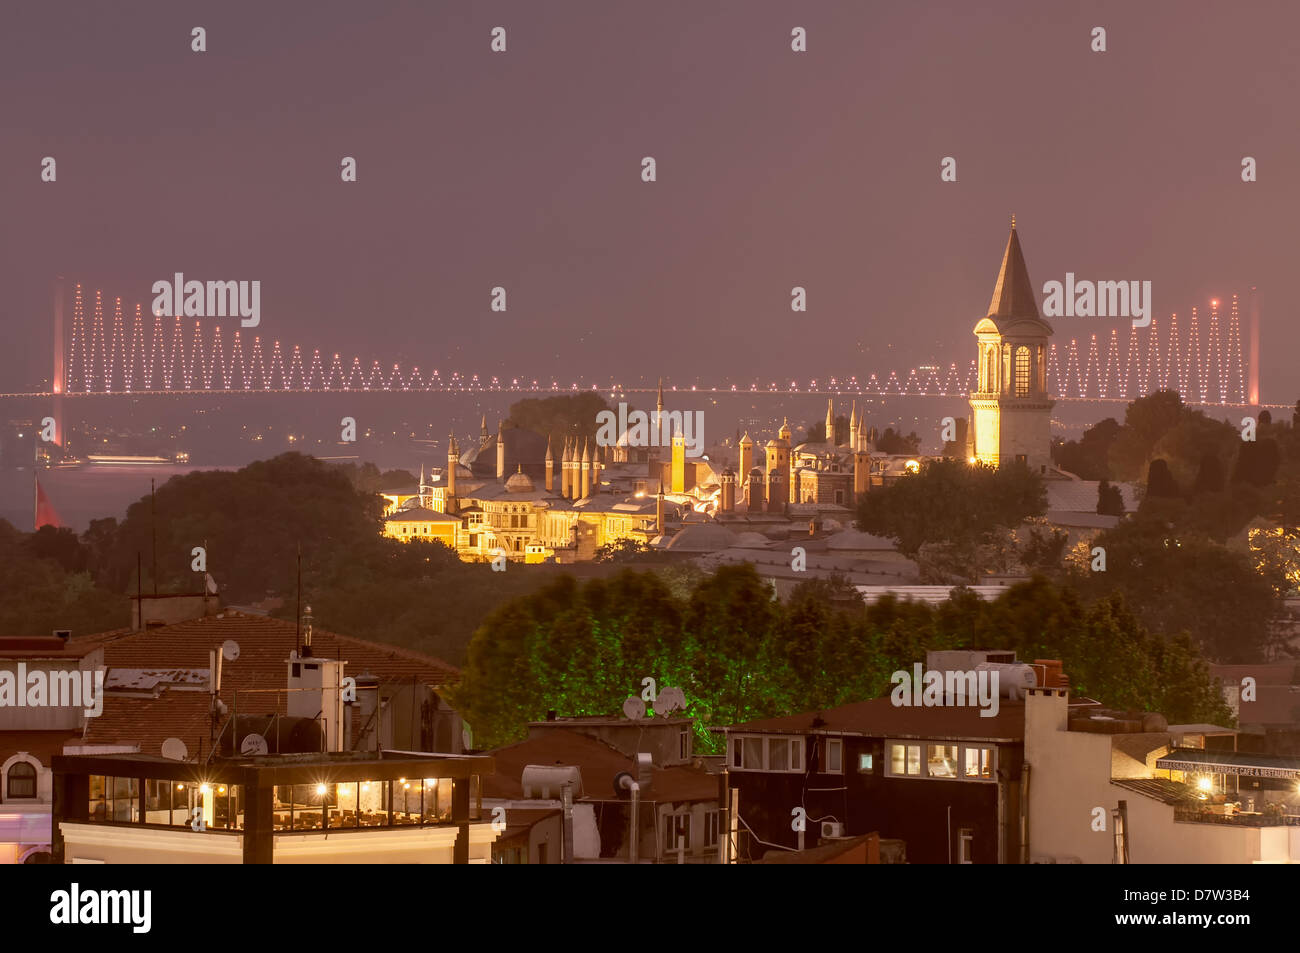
column 515, row 495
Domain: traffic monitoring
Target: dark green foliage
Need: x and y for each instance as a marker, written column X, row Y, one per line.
column 1178, row 581
column 1110, row 501
column 1209, row 476
column 1088, row 457
column 1160, row 482
column 42, row 588
column 950, row 501
column 890, row 442
column 738, row 654
column 1257, row 462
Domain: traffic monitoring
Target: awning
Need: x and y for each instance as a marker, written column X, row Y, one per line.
column 1240, row 763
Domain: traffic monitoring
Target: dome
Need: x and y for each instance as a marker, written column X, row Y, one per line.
column 751, row 540
column 702, row 538
column 520, row 482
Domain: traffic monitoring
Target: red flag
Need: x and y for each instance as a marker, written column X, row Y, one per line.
column 45, row 515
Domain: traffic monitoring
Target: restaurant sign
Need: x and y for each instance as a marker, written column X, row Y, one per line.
column 1242, row 770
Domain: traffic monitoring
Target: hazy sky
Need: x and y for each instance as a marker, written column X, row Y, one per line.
column 522, row 169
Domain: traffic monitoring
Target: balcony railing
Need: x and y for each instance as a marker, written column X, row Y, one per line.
column 1197, row 816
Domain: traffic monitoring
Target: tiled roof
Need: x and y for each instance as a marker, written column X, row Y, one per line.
column 264, row 647
column 599, row 763
column 41, row 745
column 1158, row 789
column 880, row 718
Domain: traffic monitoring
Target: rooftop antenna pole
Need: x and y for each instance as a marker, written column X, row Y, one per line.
column 297, row 615
column 153, row 534
column 139, row 590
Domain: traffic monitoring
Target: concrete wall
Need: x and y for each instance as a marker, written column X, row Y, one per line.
column 118, row 844
column 1070, row 775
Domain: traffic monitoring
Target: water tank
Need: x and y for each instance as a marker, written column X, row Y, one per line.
column 546, row 781
column 1013, row 678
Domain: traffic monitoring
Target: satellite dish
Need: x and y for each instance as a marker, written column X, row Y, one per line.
column 670, row 700
column 174, row 750
column 253, row 745
column 230, row 650
column 634, row 708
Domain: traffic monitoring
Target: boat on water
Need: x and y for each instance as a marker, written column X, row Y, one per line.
column 127, row 460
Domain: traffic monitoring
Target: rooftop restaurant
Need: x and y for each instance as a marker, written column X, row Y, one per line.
column 255, row 807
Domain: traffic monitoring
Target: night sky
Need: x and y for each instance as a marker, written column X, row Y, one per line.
column 522, row 169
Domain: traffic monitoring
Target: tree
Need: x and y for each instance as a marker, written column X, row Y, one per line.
column 891, row 442
column 950, row 501
column 1209, row 476
column 1088, row 458
column 1257, row 462
column 1110, row 501
column 1184, row 582
column 1160, row 482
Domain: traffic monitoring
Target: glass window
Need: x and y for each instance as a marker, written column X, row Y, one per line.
column 834, row 756
column 1022, row 371
column 114, row 799
column 677, row 831
column 898, row 759
column 864, row 763
column 978, row 763
column 712, row 826
column 778, row 754
column 941, row 761
column 22, row 780
column 753, row 756
column 904, row 760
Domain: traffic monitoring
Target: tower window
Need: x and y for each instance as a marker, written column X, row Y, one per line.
column 1022, row 371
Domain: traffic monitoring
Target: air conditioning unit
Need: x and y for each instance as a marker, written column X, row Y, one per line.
column 832, row 829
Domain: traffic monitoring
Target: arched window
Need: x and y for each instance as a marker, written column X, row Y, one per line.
column 1022, row 371
column 22, row 780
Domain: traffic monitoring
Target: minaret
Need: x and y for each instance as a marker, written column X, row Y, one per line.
column 853, row 427
column 659, row 511
column 423, row 486
column 657, row 435
column 566, row 470
column 861, row 473
column 830, row 421
column 586, row 470
column 501, row 450
column 483, row 433
column 1011, row 408
column 550, row 467
column 596, row 466
column 453, row 459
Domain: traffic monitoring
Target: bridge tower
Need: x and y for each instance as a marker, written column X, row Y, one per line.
column 58, row 377
column 1253, row 395
column 1011, row 406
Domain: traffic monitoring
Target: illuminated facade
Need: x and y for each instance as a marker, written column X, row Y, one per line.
column 1011, row 405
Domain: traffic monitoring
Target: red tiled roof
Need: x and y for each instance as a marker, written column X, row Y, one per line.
column 42, row 745
column 880, row 718
column 599, row 763
column 264, row 647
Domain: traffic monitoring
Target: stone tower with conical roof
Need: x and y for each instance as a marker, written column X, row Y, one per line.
column 1011, row 408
